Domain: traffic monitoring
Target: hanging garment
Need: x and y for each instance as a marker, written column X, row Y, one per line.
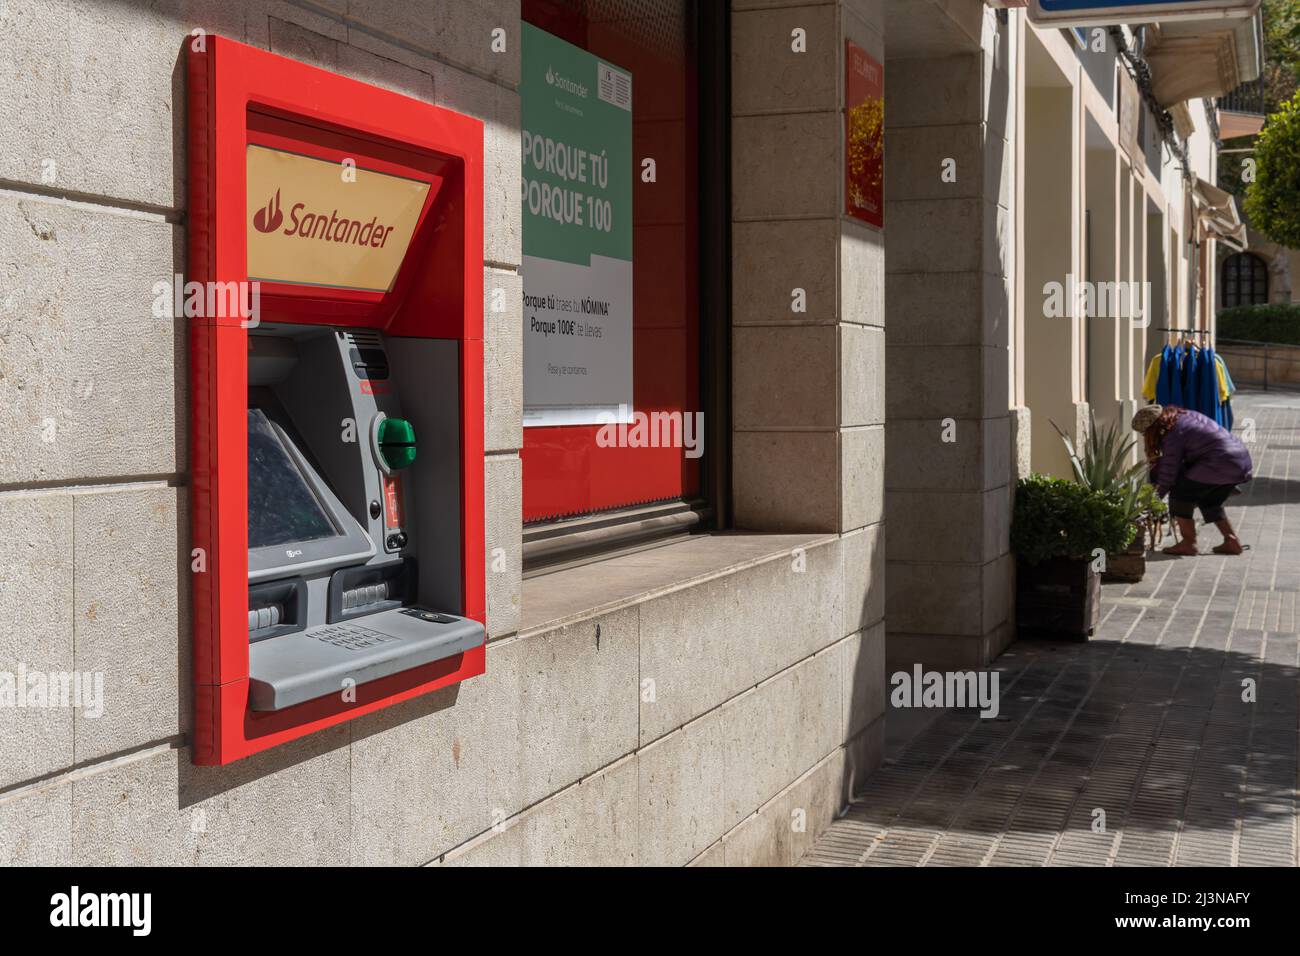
column 1177, row 393
column 1207, row 386
column 1169, row 389
column 1152, row 380
column 1226, row 386
column 1190, row 366
column 1191, row 377
column 1226, row 390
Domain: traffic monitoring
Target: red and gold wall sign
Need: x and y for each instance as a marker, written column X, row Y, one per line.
column 864, row 136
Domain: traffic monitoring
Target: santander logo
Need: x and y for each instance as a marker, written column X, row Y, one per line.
column 321, row 225
column 566, row 84
column 270, row 216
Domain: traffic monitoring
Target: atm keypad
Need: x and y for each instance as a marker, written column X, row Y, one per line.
column 350, row 636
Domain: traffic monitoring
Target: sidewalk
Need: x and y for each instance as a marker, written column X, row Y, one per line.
column 1142, row 729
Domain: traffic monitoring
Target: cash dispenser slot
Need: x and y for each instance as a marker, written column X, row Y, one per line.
column 277, row 608
column 368, row 589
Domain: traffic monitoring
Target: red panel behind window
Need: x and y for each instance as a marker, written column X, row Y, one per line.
column 565, row 472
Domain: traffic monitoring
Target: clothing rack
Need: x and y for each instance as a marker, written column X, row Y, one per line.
column 1181, row 373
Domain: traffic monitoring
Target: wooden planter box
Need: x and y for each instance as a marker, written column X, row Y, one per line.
column 1059, row 598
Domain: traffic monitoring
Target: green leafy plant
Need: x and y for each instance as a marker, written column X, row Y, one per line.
column 1277, row 323
column 1152, row 515
column 1273, row 199
column 1101, row 464
column 1058, row 518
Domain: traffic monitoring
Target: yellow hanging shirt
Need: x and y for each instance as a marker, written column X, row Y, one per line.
column 1153, row 377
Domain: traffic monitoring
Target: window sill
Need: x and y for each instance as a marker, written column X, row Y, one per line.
column 555, row 545
column 575, row 594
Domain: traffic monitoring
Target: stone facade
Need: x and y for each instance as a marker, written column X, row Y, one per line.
column 713, row 700
column 708, row 701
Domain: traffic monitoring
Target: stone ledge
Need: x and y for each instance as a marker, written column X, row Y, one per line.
column 591, row 590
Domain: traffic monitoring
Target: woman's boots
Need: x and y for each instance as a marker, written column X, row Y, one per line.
column 1187, row 531
column 1231, row 543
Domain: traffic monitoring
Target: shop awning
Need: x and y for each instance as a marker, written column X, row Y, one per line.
column 1216, row 214
column 1233, row 124
column 1198, row 58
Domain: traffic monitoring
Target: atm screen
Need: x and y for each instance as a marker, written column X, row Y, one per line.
column 282, row 507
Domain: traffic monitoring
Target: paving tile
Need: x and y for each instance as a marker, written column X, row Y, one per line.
column 1145, row 722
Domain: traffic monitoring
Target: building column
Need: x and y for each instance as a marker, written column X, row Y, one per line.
column 1050, row 233
column 808, row 344
column 949, row 462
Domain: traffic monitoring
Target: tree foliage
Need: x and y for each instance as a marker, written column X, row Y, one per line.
column 1281, row 52
column 1280, row 79
column 1273, row 199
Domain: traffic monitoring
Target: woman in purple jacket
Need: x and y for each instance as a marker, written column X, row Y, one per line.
column 1198, row 463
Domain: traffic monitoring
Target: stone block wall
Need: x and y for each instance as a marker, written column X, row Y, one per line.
column 950, row 434
column 768, row 668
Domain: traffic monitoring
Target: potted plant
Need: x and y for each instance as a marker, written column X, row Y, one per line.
column 1059, row 530
column 1149, row 515
column 1101, row 465
column 1153, row 517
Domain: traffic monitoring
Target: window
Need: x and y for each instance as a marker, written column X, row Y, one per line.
column 571, row 468
column 1244, row 280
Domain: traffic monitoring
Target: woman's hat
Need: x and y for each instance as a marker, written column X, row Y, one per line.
column 1146, row 417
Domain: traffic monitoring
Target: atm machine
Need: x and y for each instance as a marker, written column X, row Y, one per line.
column 334, row 595
column 336, row 436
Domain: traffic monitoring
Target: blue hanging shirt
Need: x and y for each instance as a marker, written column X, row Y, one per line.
column 1191, row 361
column 1207, row 386
column 1167, row 385
column 1171, row 376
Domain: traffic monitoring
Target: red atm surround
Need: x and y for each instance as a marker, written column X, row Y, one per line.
column 240, row 96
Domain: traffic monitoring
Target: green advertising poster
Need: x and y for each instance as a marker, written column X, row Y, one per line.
column 577, row 234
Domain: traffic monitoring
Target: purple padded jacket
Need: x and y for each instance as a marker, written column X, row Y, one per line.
column 1198, row 448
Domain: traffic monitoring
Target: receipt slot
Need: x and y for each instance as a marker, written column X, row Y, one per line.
column 337, row 418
